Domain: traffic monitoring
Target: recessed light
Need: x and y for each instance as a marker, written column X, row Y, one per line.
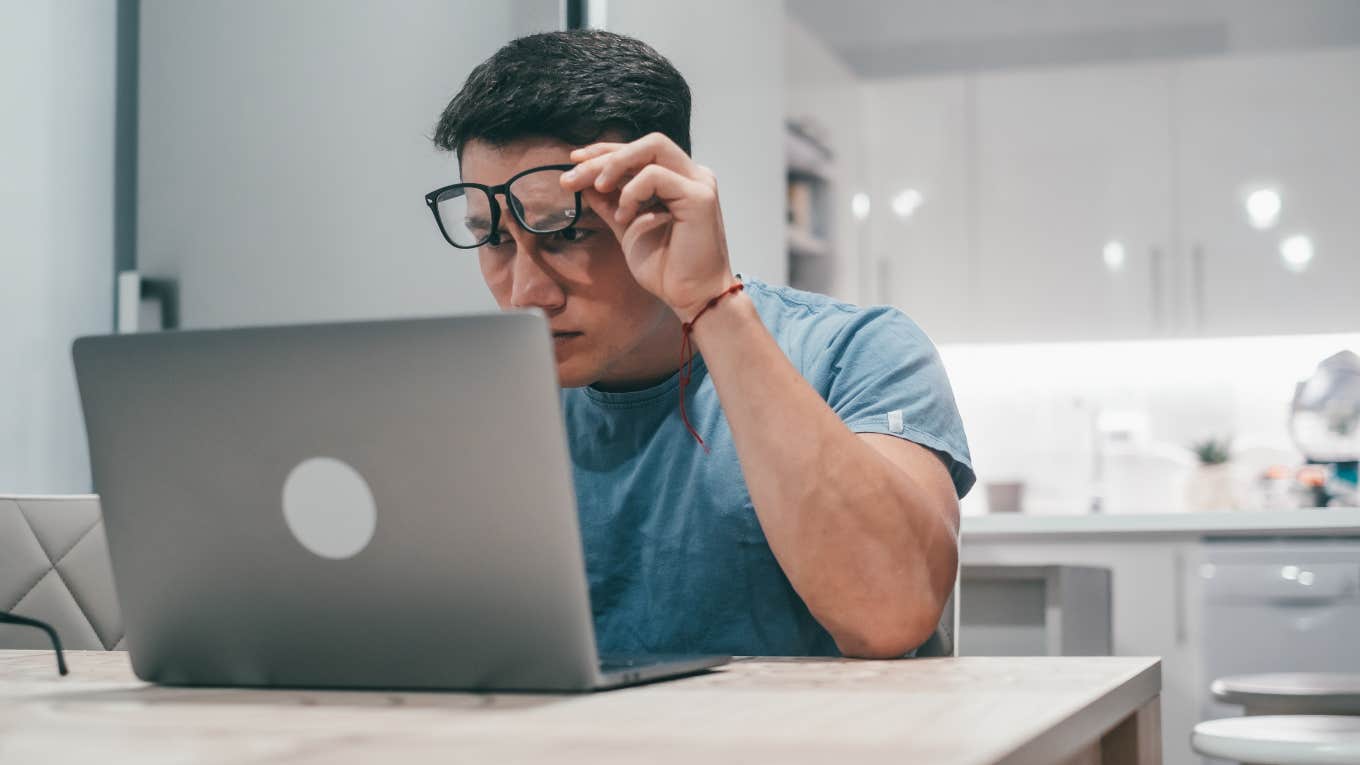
column 1263, row 208
column 1114, row 255
column 1296, row 252
column 905, row 202
column 859, row 205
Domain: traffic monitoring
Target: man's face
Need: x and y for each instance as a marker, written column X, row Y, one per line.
column 606, row 328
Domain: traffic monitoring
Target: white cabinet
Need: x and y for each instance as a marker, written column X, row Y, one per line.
column 918, row 140
column 1108, row 202
column 1073, row 203
column 1288, row 122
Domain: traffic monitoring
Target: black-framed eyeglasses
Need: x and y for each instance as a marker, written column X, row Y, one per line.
column 469, row 215
column 9, row 618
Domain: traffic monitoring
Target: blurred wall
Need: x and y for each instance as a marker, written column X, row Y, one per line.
column 732, row 55
column 56, row 229
column 284, row 153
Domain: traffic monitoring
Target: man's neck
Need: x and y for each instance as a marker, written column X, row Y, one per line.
column 650, row 362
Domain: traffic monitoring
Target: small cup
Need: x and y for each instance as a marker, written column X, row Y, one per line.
column 1005, row 496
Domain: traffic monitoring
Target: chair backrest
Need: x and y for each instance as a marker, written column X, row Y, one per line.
column 54, row 566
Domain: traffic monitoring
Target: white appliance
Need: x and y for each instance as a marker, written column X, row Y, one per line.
column 1288, row 605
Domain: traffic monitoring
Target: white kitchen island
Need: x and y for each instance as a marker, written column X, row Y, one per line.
column 1156, row 563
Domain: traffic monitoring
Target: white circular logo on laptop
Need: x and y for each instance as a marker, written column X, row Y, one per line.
column 329, row 507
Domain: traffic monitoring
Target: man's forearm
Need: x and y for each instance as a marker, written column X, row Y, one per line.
column 865, row 545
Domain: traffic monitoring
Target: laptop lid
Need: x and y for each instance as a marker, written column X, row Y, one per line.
column 374, row 504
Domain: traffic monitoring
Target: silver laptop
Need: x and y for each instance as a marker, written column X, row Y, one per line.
column 365, row 505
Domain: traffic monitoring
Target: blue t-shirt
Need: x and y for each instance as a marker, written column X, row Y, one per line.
column 675, row 555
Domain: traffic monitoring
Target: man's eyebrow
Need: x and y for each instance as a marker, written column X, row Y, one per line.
column 474, row 222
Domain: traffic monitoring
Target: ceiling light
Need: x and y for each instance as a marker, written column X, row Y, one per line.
column 905, row 202
column 1263, row 208
column 1114, row 255
column 859, row 205
column 1296, row 252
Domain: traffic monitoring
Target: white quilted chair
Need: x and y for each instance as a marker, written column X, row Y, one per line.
column 54, row 567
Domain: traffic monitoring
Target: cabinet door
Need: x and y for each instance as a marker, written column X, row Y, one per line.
column 918, row 140
column 1073, row 203
column 1290, row 122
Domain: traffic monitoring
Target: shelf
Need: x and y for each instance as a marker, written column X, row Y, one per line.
column 807, row 244
column 805, row 157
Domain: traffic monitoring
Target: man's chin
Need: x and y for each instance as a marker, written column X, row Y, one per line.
column 570, row 375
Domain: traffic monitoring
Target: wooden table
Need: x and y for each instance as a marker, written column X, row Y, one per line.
column 937, row 711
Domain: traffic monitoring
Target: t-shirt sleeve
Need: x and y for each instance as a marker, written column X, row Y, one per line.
column 881, row 374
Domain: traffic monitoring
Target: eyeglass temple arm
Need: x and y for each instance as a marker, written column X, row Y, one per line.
column 8, row 618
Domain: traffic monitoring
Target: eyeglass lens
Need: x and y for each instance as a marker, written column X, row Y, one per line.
column 537, row 200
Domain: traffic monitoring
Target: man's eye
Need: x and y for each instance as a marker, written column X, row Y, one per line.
column 571, row 235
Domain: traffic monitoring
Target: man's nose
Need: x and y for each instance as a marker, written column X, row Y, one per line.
column 533, row 285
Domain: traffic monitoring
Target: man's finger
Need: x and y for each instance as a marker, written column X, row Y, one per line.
column 642, row 225
column 594, row 150
column 585, row 176
column 657, row 182
column 610, row 169
column 605, row 206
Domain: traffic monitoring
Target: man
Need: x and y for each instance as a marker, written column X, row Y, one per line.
column 819, row 514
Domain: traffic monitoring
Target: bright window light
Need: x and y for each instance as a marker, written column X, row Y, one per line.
column 859, row 205
column 1306, row 578
column 1114, row 255
column 905, row 202
column 1296, row 252
column 1263, row 208
column 1289, row 572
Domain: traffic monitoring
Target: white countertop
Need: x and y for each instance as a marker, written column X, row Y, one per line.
column 1314, row 522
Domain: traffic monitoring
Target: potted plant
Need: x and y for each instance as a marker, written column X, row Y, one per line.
column 1212, row 486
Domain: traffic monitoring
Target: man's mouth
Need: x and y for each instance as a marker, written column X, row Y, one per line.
column 564, row 336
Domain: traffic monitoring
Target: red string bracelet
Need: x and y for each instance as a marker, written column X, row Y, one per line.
column 687, row 356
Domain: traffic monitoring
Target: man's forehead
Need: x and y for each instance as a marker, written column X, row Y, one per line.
column 493, row 164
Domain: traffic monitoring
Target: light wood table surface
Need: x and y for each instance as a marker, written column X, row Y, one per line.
column 1045, row 710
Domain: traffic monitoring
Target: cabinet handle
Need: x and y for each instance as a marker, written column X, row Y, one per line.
column 1178, row 571
column 1155, row 283
column 1197, row 284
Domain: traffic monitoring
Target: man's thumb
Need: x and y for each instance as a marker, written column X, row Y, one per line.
column 605, row 205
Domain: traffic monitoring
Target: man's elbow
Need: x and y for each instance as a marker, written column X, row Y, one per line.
column 884, row 636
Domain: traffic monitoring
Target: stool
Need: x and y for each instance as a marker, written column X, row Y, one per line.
column 1291, row 693
column 1281, row 739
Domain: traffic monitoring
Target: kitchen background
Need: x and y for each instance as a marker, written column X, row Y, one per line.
column 1130, row 228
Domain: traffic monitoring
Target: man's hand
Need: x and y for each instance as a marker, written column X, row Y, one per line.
column 663, row 207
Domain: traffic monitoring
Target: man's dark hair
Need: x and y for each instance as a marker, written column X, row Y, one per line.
column 573, row 86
